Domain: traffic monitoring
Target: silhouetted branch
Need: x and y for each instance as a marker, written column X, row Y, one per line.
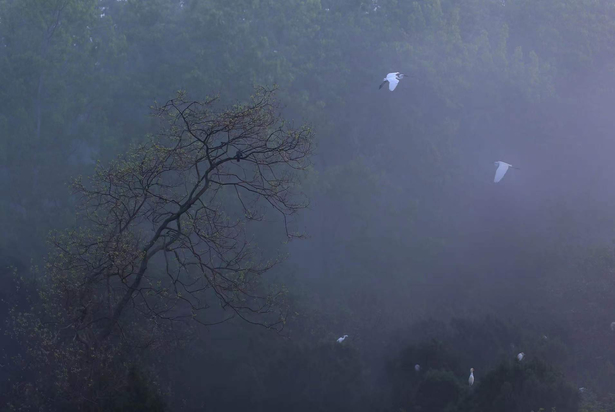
column 173, row 201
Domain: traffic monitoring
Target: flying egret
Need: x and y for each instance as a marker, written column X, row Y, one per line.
column 520, row 356
column 417, row 367
column 392, row 79
column 501, row 171
column 613, row 326
column 581, row 390
column 340, row 340
column 471, row 378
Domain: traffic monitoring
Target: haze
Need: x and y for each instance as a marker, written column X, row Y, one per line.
column 378, row 208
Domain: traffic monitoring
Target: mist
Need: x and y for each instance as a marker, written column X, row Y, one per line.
column 199, row 198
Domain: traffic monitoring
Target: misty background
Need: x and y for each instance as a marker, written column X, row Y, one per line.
column 410, row 248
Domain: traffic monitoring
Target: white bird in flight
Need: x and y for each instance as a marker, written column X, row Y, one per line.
column 393, row 80
column 417, row 367
column 340, row 340
column 520, row 356
column 613, row 326
column 501, row 171
column 471, row 378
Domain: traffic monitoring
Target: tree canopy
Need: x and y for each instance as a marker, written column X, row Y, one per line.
column 183, row 213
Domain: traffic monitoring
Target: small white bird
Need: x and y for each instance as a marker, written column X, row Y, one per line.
column 471, row 378
column 417, row 367
column 581, row 390
column 520, row 356
column 613, row 326
column 340, row 340
column 501, row 171
column 393, row 80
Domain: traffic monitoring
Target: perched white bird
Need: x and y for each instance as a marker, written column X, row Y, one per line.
column 340, row 340
column 520, row 356
column 613, row 326
column 471, row 378
column 417, row 367
column 392, row 79
column 501, row 171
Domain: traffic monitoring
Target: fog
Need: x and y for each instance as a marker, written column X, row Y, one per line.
column 215, row 245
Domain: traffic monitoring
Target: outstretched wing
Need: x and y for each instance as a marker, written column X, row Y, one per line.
column 499, row 174
column 393, row 84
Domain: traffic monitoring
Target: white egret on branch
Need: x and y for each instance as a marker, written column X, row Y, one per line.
column 392, row 79
column 520, row 356
column 417, row 367
column 502, row 169
column 340, row 340
column 471, row 378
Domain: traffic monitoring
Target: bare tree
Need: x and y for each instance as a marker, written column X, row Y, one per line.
column 167, row 220
column 164, row 238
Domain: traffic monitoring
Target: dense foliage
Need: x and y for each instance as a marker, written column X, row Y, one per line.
column 401, row 232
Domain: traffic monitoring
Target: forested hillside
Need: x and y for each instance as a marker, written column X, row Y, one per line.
column 199, row 197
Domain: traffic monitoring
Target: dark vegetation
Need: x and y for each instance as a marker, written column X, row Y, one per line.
column 157, row 157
